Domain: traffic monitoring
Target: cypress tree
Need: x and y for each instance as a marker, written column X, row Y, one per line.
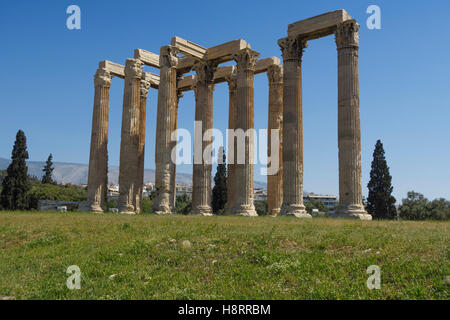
column 219, row 191
column 16, row 183
column 380, row 202
column 48, row 170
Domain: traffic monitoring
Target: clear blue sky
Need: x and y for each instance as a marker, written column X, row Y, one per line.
column 46, row 78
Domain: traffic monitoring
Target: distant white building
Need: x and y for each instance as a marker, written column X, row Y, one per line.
column 329, row 201
column 259, row 195
column 113, row 191
column 182, row 189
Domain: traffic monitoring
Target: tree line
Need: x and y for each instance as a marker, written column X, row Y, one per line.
column 381, row 202
column 20, row 191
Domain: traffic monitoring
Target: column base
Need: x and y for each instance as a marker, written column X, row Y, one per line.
column 295, row 210
column 202, row 211
column 162, row 206
column 162, row 212
column 274, row 212
column 352, row 211
column 127, row 209
column 245, row 210
column 89, row 207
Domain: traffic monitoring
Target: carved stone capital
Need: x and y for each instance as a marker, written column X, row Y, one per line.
column 168, row 56
column 205, row 72
column 102, row 78
column 232, row 81
column 179, row 95
column 133, row 68
column 246, row 59
column 145, row 85
column 347, row 35
column 275, row 74
column 292, row 48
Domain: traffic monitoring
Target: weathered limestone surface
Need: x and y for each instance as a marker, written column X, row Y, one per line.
column 226, row 51
column 186, row 83
column 148, row 58
column 98, row 159
column 285, row 188
column 188, row 47
column 275, row 182
column 349, row 132
column 204, row 88
column 245, row 62
column 152, row 78
column 262, row 65
column 292, row 51
column 185, row 64
column 318, row 26
column 113, row 68
column 232, row 157
column 144, row 87
column 129, row 145
column 174, row 126
column 167, row 101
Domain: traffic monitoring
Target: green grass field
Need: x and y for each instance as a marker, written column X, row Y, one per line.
column 228, row 257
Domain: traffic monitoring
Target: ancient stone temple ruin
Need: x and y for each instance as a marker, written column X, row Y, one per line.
column 285, row 187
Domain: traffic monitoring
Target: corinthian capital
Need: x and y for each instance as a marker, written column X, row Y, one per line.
column 347, row 34
column 275, row 74
column 133, row 68
column 102, row 78
column 232, row 80
column 292, row 48
column 246, row 59
column 145, row 85
column 205, row 71
column 168, row 57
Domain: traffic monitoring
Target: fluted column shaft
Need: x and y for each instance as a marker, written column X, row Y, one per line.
column 275, row 181
column 245, row 62
column 349, row 132
column 201, row 192
column 129, row 144
column 174, row 126
column 167, row 101
column 232, row 125
column 98, row 159
column 292, row 51
column 144, row 86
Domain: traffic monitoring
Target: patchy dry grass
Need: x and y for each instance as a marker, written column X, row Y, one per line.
column 223, row 258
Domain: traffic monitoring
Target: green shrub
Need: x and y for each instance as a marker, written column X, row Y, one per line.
column 261, row 208
column 67, row 192
column 417, row 207
column 315, row 204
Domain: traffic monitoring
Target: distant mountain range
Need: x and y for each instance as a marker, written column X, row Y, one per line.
column 76, row 173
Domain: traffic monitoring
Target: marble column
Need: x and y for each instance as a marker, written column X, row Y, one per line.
column 349, row 132
column 292, row 51
column 144, row 87
column 245, row 62
column 173, row 181
column 167, row 101
column 98, row 159
column 275, row 181
column 231, row 153
column 204, row 88
column 129, row 144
